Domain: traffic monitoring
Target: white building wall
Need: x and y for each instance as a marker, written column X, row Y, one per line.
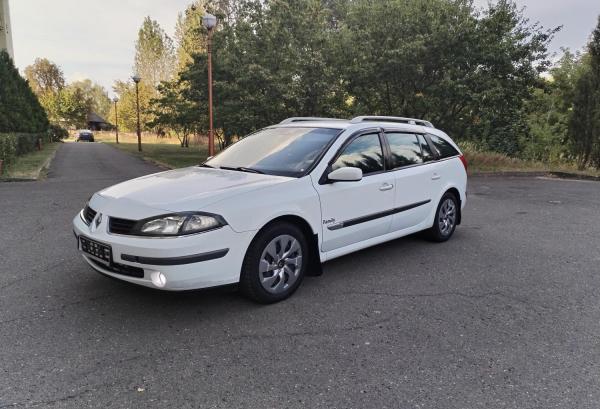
column 5, row 29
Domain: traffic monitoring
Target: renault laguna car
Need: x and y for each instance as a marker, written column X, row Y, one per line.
column 272, row 207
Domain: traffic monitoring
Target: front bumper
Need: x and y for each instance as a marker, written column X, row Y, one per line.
column 197, row 261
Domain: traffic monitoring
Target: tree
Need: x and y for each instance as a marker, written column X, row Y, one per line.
column 154, row 53
column 271, row 61
column 440, row 60
column 20, row 110
column 549, row 111
column 127, row 105
column 95, row 95
column 188, row 33
column 173, row 114
column 64, row 105
column 584, row 126
column 44, row 76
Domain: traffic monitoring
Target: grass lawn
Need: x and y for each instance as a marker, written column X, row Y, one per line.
column 169, row 155
column 29, row 166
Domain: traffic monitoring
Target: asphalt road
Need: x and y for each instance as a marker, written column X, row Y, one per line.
column 505, row 315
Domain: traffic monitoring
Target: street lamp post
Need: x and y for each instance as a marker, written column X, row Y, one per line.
column 115, row 100
column 136, row 78
column 209, row 22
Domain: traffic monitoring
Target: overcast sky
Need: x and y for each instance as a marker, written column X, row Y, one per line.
column 95, row 39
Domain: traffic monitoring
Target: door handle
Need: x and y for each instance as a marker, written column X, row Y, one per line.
column 386, row 186
column 435, row 176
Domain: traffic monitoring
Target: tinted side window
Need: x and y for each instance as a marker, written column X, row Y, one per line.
column 405, row 149
column 364, row 152
column 444, row 149
column 426, row 149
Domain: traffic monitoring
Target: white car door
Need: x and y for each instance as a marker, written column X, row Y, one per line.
column 414, row 168
column 356, row 211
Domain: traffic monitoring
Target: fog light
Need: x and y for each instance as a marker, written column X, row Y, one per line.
column 158, row 279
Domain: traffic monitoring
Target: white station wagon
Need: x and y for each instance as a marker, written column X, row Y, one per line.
column 272, row 207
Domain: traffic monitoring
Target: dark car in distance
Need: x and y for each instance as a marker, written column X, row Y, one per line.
column 86, row 136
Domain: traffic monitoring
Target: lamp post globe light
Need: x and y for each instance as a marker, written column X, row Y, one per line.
column 136, row 78
column 209, row 22
column 115, row 100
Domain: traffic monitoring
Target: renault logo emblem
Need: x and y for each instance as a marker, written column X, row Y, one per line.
column 98, row 221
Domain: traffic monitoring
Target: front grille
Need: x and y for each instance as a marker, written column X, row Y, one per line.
column 88, row 214
column 121, row 226
column 122, row 269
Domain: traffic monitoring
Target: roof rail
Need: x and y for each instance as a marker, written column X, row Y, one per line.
column 411, row 121
column 308, row 118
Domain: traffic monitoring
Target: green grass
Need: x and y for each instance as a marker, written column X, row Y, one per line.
column 29, row 166
column 169, row 155
column 491, row 162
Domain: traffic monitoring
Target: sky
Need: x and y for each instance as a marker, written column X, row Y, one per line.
column 95, row 39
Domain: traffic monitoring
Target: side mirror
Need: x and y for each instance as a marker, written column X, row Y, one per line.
column 346, row 174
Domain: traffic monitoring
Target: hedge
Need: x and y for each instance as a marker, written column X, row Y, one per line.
column 15, row 144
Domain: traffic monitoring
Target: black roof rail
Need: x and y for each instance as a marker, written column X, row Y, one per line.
column 410, row 121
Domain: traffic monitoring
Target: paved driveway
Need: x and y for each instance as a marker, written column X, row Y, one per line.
column 505, row 315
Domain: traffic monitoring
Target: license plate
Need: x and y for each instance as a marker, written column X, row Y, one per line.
column 98, row 250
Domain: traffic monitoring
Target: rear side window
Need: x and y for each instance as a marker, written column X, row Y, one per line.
column 364, row 152
column 405, row 149
column 425, row 149
column 443, row 147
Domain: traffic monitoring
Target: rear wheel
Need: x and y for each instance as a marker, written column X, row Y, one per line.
column 445, row 220
column 275, row 263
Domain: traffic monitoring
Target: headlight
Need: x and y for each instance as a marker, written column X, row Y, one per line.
column 181, row 224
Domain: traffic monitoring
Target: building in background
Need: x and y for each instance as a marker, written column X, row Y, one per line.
column 5, row 29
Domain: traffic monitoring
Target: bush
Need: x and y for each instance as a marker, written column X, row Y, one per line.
column 15, row 144
column 8, row 148
column 57, row 133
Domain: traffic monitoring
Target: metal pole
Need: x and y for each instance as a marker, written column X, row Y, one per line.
column 211, row 135
column 116, row 122
column 139, row 132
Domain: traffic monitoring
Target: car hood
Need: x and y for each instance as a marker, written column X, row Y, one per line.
column 179, row 190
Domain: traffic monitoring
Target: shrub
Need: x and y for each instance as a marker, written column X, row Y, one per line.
column 8, row 148
column 57, row 133
column 15, row 144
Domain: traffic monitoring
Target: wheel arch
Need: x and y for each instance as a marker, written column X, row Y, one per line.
column 456, row 194
column 314, row 265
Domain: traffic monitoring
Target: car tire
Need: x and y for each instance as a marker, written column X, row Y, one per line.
column 275, row 263
column 446, row 218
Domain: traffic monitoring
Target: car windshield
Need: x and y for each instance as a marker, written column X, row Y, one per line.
column 276, row 151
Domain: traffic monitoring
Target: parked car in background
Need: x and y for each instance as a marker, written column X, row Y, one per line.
column 85, row 136
column 275, row 205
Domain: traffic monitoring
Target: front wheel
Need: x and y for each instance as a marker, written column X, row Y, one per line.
column 445, row 220
column 275, row 263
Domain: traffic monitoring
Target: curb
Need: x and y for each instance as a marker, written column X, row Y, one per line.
column 46, row 164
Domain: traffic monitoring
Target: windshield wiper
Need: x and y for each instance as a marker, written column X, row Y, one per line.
column 243, row 169
column 204, row 165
